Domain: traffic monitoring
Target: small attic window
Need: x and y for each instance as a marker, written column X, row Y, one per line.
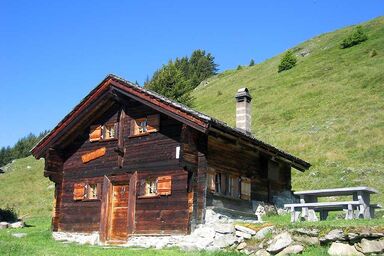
column 103, row 132
column 145, row 125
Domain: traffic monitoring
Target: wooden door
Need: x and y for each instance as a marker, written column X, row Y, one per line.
column 118, row 222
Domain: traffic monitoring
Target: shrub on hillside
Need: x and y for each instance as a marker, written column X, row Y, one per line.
column 356, row 37
column 251, row 63
column 287, row 62
column 8, row 214
column 372, row 53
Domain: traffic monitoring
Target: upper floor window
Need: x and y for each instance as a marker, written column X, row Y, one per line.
column 145, row 125
column 103, row 132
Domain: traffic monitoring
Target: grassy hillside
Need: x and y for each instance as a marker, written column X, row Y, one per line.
column 24, row 188
column 328, row 110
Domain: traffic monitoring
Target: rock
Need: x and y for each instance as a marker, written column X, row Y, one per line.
column 262, row 252
column 353, row 237
column 4, row 225
column 370, row 246
column 224, row 228
column 279, row 242
column 18, row 224
column 285, row 197
column 19, row 235
column 204, row 232
column 262, row 233
column 224, row 241
column 307, row 232
column 308, row 240
column 29, row 167
column 340, row 249
column 335, row 235
column 292, row 249
column 243, row 235
column 241, row 246
column 245, row 230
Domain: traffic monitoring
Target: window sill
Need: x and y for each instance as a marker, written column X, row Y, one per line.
column 148, row 196
column 104, row 140
column 140, row 135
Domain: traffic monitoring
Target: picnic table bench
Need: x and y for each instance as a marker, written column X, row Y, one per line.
column 359, row 207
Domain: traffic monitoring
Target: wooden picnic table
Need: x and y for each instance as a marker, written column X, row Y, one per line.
column 309, row 202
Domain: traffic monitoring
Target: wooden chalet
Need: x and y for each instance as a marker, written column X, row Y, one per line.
column 128, row 161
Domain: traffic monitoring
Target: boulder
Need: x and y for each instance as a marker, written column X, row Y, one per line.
column 19, row 235
column 308, row 240
column 243, row 235
column 204, row 232
column 241, row 246
column 340, row 249
column 335, row 235
column 224, row 228
column 4, row 225
column 292, row 249
column 224, row 241
column 279, row 242
column 17, row 224
column 370, row 246
column 260, row 235
column 262, row 252
column 245, row 230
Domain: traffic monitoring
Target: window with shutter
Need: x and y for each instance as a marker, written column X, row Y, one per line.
column 245, row 188
column 146, row 125
column 78, row 191
column 164, row 185
column 91, row 191
column 95, row 133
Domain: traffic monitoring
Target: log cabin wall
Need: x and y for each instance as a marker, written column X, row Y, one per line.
column 150, row 155
column 230, row 156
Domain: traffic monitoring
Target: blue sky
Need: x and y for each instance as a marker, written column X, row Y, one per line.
column 52, row 53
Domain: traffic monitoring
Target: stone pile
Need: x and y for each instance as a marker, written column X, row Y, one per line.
column 17, row 224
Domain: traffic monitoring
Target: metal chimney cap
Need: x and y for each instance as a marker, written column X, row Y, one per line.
column 243, row 93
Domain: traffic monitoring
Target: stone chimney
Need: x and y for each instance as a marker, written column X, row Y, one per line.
column 243, row 110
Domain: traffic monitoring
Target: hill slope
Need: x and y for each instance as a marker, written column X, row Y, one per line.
column 328, row 110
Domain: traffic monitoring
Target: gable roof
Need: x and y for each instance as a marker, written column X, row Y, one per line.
column 180, row 112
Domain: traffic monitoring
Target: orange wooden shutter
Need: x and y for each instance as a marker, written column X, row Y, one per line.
column 245, row 188
column 93, row 155
column 153, row 123
column 95, row 134
column 211, row 182
column 164, row 185
column 78, row 191
column 134, row 128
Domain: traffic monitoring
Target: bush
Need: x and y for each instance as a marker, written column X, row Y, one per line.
column 8, row 214
column 239, row 67
column 356, row 37
column 287, row 62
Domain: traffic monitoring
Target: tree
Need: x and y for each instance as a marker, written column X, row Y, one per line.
column 251, row 63
column 357, row 36
column 288, row 61
column 178, row 78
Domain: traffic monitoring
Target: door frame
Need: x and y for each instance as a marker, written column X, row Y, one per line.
column 106, row 202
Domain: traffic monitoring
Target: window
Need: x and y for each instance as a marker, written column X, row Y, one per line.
column 155, row 186
column 150, row 187
column 92, row 191
column 103, row 132
column 145, row 125
column 86, row 191
column 109, row 131
column 225, row 184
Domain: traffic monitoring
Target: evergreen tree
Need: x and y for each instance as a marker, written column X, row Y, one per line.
column 178, row 78
column 251, row 63
column 287, row 62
